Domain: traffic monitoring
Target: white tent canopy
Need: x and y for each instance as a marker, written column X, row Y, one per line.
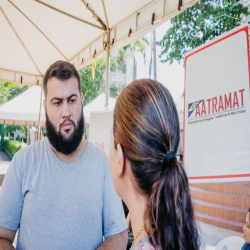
column 36, row 33
column 23, row 109
column 97, row 105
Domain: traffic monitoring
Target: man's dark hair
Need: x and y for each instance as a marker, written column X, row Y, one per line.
column 62, row 70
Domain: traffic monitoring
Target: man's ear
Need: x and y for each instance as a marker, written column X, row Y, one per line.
column 121, row 161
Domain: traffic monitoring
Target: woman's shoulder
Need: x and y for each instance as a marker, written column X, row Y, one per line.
column 143, row 244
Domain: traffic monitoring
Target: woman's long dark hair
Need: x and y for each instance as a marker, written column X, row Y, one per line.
column 146, row 125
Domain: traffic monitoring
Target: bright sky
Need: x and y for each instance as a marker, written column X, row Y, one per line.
column 171, row 76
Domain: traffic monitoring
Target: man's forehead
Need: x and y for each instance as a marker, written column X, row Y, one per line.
column 56, row 86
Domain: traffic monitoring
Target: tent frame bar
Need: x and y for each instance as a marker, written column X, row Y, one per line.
column 135, row 13
column 39, row 120
column 89, row 45
column 20, row 72
column 36, row 78
column 163, row 18
column 164, row 7
column 39, row 30
column 20, row 122
column 69, row 15
column 97, row 18
column 105, row 13
column 18, row 37
column 80, row 61
column 106, row 44
column 107, row 71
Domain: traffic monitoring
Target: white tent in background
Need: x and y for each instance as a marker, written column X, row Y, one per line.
column 97, row 105
column 23, row 109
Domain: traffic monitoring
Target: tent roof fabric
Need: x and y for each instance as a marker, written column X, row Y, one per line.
column 75, row 31
column 23, row 109
column 97, row 105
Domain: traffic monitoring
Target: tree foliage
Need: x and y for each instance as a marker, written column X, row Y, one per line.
column 10, row 90
column 10, row 129
column 118, row 58
column 198, row 24
column 139, row 45
column 91, row 88
column 13, row 146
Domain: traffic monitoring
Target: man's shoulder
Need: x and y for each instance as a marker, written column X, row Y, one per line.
column 33, row 149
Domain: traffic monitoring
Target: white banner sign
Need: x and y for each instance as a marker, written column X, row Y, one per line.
column 100, row 126
column 217, row 110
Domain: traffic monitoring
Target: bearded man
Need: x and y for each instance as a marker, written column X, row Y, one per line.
column 58, row 193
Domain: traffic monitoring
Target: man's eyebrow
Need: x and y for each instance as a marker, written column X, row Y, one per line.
column 56, row 98
column 60, row 99
column 72, row 96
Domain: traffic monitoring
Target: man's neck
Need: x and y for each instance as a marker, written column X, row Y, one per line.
column 73, row 156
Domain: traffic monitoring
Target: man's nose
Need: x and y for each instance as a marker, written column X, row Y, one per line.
column 66, row 112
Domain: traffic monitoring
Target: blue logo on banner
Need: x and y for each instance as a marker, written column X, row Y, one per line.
column 192, row 106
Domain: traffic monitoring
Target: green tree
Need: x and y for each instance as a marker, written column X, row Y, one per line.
column 118, row 64
column 23, row 130
column 91, row 88
column 140, row 45
column 10, row 90
column 118, row 59
column 10, row 129
column 198, row 24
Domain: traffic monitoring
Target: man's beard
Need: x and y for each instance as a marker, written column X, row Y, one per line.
column 57, row 140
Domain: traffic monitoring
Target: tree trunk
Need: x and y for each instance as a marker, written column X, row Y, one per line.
column 154, row 54
column 28, row 135
column 134, row 62
column 150, row 63
column 135, row 69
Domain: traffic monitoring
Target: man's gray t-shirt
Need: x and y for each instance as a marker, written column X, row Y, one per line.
column 59, row 205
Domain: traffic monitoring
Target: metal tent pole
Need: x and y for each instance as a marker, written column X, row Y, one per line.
column 107, row 70
column 39, row 121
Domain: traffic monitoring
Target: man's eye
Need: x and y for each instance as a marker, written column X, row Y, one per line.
column 56, row 103
column 72, row 100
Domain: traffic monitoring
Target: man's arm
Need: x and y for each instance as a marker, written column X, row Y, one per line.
column 11, row 204
column 117, row 242
column 6, row 239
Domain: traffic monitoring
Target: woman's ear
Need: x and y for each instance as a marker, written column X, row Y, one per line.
column 121, row 161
